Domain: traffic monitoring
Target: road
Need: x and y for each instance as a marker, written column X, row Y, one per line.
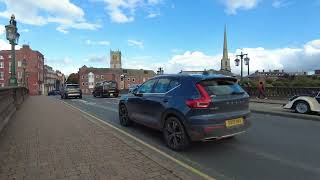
column 273, row 148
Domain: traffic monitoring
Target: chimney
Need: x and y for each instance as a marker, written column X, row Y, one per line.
column 263, row 70
column 26, row 46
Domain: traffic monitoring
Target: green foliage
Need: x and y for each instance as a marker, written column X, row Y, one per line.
column 73, row 78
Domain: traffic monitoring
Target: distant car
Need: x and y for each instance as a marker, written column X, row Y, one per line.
column 71, row 90
column 53, row 93
column 304, row 103
column 106, row 89
column 133, row 87
column 188, row 108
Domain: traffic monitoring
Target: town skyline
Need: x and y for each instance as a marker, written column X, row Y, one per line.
column 167, row 40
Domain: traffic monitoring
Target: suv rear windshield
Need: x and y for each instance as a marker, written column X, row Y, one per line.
column 222, row 87
column 75, row 86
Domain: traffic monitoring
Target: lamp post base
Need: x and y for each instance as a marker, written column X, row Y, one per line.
column 13, row 81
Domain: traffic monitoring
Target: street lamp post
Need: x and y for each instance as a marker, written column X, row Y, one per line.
column 160, row 71
column 13, row 38
column 240, row 61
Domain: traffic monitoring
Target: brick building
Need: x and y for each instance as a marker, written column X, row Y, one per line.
column 89, row 76
column 34, row 77
column 50, row 78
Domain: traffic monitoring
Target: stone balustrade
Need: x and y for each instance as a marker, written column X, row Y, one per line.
column 10, row 100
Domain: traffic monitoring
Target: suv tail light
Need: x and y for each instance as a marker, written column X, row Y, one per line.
column 202, row 102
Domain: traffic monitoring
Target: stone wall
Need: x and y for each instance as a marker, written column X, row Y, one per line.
column 10, row 100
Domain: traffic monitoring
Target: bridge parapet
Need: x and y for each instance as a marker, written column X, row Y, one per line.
column 10, row 100
column 283, row 92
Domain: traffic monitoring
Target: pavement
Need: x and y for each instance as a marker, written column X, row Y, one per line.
column 275, row 147
column 274, row 107
column 47, row 139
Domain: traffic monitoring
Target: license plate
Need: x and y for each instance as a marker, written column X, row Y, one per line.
column 111, row 94
column 234, row 122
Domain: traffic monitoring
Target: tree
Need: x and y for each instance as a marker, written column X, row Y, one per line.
column 73, row 78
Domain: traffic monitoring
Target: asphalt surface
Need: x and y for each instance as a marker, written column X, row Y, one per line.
column 273, row 148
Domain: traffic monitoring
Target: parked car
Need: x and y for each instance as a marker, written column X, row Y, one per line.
column 106, row 89
column 71, row 90
column 53, row 92
column 188, row 108
column 304, row 103
column 133, row 87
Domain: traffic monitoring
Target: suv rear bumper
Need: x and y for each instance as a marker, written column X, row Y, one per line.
column 216, row 128
column 218, row 131
column 73, row 94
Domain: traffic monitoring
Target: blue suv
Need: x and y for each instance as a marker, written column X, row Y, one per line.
column 188, row 108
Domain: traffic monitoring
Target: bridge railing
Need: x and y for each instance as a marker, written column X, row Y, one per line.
column 283, row 92
column 10, row 100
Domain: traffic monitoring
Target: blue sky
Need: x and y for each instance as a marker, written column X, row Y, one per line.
column 174, row 34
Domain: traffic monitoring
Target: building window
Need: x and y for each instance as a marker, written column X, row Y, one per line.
column 1, row 76
column 9, row 56
column 1, row 57
column 19, row 75
column 97, row 76
column 83, row 84
column 82, row 76
column 1, row 64
column 133, row 79
column 10, row 67
column 1, row 85
column 144, row 80
column 19, row 63
column 86, row 83
column 128, row 79
column 102, row 77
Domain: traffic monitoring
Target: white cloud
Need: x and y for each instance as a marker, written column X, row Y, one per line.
column 96, row 59
column 62, row 30
column 2, row 29
column 4, row 45
column 153, row 14
column 304, row 58
column 231, row 6
column 123, row 11
column 136, row 43
column 41, row 12
column 24, row 30
column 281, row 3
column 102, row 43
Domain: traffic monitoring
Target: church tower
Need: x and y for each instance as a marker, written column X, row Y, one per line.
column 115, row 59
column 225, row 61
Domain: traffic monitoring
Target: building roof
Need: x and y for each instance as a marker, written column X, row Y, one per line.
column 210, row 71
column 117, row 71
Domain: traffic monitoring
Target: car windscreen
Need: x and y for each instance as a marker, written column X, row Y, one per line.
column 110, row 85
column 72, row 86
column 221, row 87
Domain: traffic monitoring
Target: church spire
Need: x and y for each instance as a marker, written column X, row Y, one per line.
column 225, row 61
column 225, row 44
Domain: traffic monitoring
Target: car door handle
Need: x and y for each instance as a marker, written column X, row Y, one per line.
column 165, row 100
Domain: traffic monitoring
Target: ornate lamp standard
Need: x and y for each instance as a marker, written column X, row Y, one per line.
column 13, row 38
column 240, row 61
column 160, row 71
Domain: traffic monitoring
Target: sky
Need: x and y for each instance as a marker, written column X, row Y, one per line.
column 173, row 34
